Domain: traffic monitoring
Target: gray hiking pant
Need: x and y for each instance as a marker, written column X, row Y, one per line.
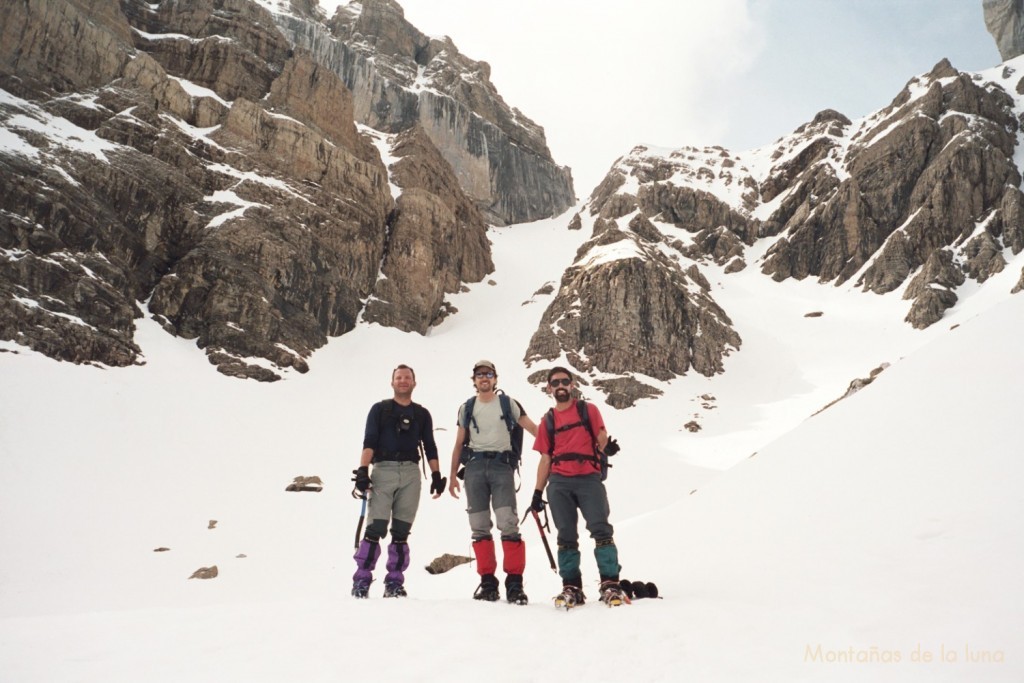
column 490, row 482
column 585, row 493
column 395, row 496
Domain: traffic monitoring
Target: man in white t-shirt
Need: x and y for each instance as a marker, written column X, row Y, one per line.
column 483, row 445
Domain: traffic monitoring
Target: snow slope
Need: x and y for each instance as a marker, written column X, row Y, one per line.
column 888, row 524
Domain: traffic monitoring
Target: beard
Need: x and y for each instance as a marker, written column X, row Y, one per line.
column 562, row 395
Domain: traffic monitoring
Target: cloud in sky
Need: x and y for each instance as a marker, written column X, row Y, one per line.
column 602, row 76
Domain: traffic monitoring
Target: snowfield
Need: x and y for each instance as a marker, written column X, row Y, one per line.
column 880, row 540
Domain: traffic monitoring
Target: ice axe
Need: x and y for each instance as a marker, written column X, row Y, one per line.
column 544, row 537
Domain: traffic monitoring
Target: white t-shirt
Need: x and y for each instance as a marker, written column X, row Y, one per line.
column 493, row 434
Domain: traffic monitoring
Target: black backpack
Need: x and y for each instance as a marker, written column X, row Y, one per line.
column 599, row 459
column 387, row 406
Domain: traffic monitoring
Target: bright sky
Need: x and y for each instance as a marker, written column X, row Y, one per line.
column 602, row 76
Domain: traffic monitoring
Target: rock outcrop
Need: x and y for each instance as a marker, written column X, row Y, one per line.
column 626, row 308
column 1004, row 19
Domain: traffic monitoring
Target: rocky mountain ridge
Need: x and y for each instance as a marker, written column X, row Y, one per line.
column 260, row 177
column 187, row 161
column 916, row 199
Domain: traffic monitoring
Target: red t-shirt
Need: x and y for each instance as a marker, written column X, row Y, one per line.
column 574, row 440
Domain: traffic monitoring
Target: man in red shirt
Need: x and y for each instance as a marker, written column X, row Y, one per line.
column 570, row 468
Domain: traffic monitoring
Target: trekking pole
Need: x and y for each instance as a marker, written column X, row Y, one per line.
column 362, row 517
column 544, row 538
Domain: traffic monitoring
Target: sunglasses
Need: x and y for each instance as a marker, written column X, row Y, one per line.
column 488, row 375
column 564, row 382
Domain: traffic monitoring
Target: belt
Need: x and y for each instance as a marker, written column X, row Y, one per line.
column 489, row 455
column 396, row 456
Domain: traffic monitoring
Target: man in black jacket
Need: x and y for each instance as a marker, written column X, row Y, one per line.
column 396, row 431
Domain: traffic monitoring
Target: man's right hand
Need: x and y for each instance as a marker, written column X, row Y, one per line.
column 537, row 504
column 362, row 479
column 453, row 489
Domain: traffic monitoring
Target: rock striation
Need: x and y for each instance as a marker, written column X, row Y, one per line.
column 401, row 78
column 191, row 162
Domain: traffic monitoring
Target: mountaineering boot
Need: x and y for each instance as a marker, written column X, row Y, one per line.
column 394, row 590
column 488, row 589
column 571, row 596
column 360, row 589
column 612, row 594
column 514, row 590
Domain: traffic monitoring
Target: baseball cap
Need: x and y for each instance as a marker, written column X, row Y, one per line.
column 484, row 364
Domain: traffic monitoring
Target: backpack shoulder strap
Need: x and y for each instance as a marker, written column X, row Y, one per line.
column 549, row 425
column 506, row 411
column 467, row 418
column 584, row 412
column 387, row 406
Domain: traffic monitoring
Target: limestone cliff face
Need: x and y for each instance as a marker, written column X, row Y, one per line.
column 1004, row 19
column 188, row 156
column 401, row 79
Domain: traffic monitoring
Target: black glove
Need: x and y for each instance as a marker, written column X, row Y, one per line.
column 537, row 504
column 612, row 447
column 437, row 483
column 362, row 479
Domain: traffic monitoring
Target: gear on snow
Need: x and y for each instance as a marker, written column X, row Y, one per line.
column 488, row 589
column 514, row 590
column 571, row 596
column 612, row 594
column 394, row 590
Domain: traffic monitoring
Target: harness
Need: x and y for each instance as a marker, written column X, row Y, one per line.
column 515, row 435
column 599, row 460
column 387, row 408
